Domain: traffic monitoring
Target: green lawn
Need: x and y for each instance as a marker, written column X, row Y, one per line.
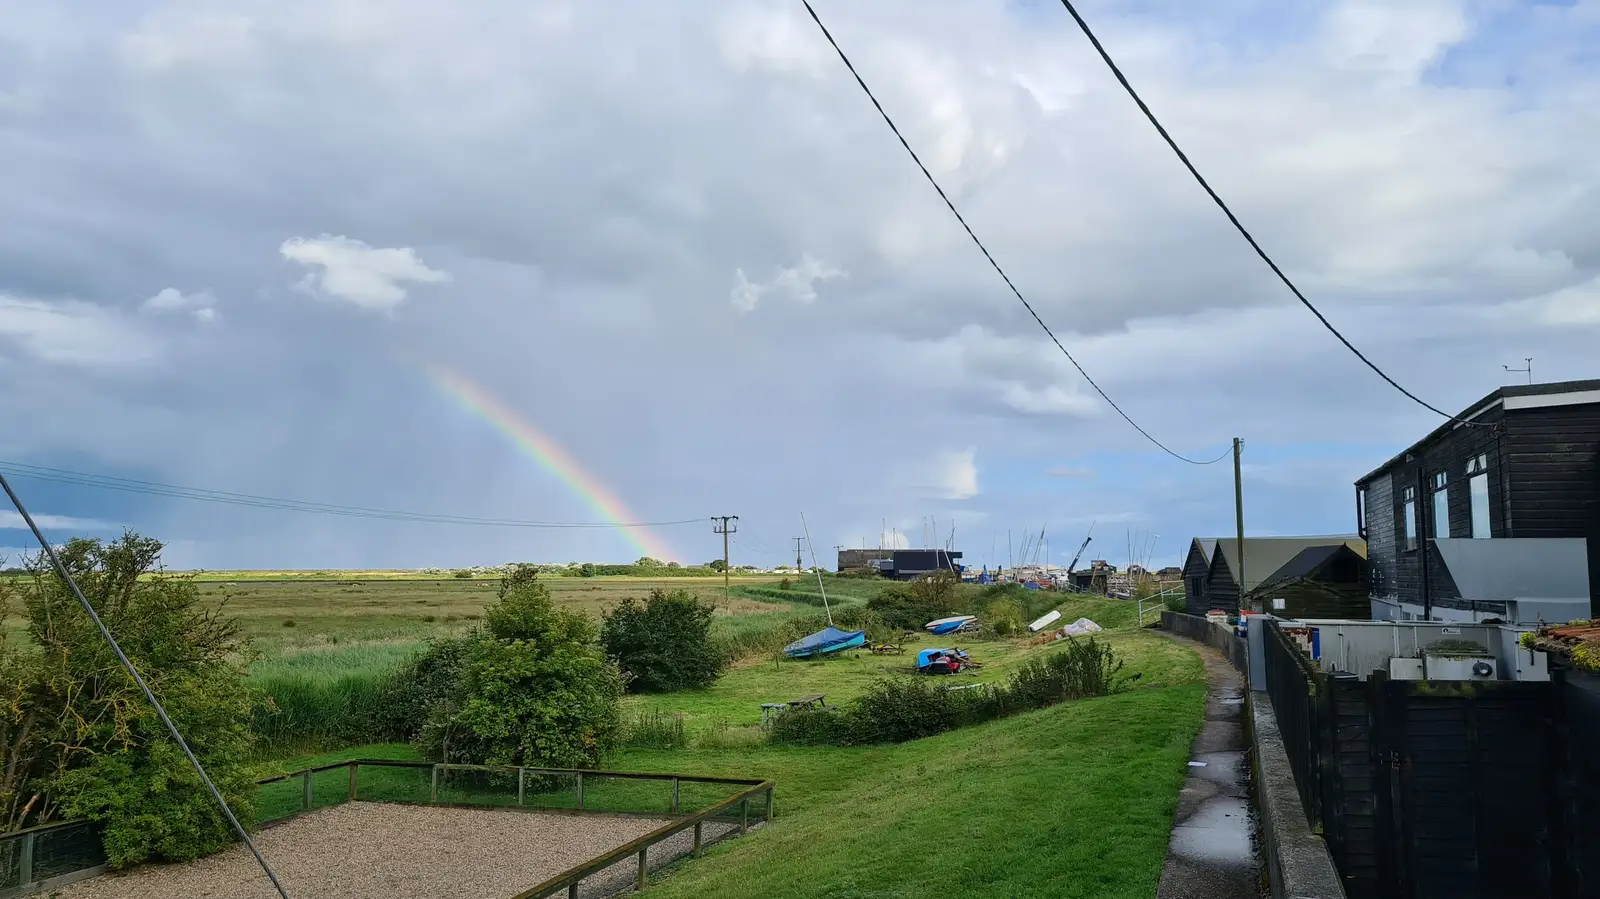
column 734, row 702
column 1070, row 801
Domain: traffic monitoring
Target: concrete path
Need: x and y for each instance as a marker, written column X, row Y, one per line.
column 1212, row 853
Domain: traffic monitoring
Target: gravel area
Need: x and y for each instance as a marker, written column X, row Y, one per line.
column 364, row 850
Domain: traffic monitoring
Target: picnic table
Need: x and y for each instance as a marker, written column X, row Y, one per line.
column 771, row 710
column 884, row 649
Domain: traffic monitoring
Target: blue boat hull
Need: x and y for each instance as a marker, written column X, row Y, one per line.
column 948, row 627
column 850, row 641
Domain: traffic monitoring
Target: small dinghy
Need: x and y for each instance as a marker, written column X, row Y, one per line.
column 950, row 625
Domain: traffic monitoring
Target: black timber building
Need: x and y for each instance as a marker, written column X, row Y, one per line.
column 1519, row 469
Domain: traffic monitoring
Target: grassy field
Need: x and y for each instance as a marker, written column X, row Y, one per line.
column 321, row 612
column 734, row 702
column 1075, row 800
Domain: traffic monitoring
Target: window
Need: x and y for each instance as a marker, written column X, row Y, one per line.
column 1411, row 517
column 1478, row 489
column 1361, row 512
column 1441, row 505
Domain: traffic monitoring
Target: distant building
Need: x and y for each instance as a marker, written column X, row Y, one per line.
column 901, row 564
column 1313, row 566
column 1494, row 514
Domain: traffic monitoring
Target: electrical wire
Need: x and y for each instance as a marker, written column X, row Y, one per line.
column 105, row 634
column 156, row 488
column 985, row 250
column 1238, row 225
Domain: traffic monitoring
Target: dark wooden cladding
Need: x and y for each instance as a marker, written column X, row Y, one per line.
column 1552, row 453
column 1543, row 468
column 1196, row 569
column 1446, row 790
column 1222, row 591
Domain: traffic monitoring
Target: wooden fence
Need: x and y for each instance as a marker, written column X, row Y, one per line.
column 38, row 858
column 1448, row 789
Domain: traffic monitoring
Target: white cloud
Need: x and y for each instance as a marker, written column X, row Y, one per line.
column 798, row 282
column 201, row 305
column 74, row 333
column 348, row 269
column 772, row 38
column 1051, row 400
column 56, row 522
column 954, row 474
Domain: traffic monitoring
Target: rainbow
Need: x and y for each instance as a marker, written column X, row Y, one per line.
column 542, row 449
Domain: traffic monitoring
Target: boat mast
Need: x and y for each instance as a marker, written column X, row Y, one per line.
column 823, row 590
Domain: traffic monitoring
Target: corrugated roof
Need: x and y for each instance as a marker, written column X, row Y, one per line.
column 1265, row 556
column 1516, row 568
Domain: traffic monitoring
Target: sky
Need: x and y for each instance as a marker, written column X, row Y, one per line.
column 586, row 263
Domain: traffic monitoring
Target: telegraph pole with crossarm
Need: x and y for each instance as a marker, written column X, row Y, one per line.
column 724, row 525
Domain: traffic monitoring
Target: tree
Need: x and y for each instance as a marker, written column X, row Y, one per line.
column 717, row 565
column 78, row 737
column 663, row 643
column 647, row 562
column 533, row 687
column 586, row 570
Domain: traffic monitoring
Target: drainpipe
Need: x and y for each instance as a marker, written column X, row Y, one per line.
column 1424, row 528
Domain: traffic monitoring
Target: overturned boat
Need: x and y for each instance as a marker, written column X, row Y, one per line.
column 828, row 640
column 950, row 625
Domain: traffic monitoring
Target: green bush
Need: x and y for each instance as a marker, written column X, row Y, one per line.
column 1003, row 617
column 80, row 738
column 902, row 608
column 663, row 643
column 533, row 687
column 897, row 709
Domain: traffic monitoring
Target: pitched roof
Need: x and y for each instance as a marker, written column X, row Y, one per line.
column 1305, row 563
column 1208, row 547
column 1265, row 556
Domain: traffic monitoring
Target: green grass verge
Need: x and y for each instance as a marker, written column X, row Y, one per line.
column 1075, row 801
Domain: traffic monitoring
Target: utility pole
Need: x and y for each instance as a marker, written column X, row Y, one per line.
column 1527, row 368
column 799, row 560
column 1238, row 513
column 725, row 526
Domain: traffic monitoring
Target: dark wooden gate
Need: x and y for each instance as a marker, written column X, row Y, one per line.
column 1465, row 789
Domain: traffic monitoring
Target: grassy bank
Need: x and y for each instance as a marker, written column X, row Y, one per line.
column 1074, row 800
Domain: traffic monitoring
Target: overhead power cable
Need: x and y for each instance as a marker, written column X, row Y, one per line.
column 985, row 250
column 161, row 712
column 1238, row 225
column 156, row 488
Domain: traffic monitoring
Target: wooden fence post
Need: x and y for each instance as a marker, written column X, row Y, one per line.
column 769, row 804
column 433, row 793
column 305, row 791
column 644, row 868
column 572, row 890
column 674, row 795
column 353, row 769
column 696, row 852
column 744, row 816
column 580, row 791
column 25, row 862
column 522, row 783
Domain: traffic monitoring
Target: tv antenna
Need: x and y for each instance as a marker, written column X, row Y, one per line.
column 1528, row 367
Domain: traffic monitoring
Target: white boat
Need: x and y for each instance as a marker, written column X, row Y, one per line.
column 1044, row 622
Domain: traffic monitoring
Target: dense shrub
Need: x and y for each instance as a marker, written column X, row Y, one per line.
column 894, row 710
column 80, row 739
column 766, row 634
column 533, row 687
column 418, row 689
column 663, row 643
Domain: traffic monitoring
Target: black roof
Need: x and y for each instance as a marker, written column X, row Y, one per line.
column 1304, row 564
column 1493, row 397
